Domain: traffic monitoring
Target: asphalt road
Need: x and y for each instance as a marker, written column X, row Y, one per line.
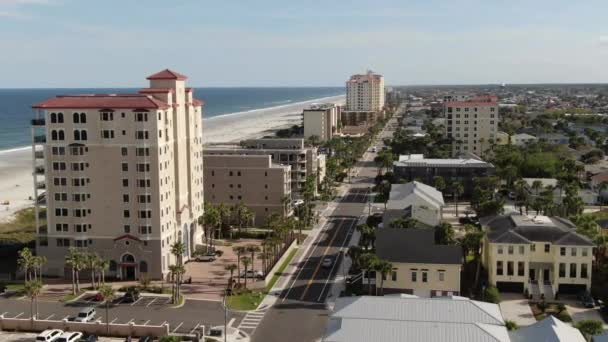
column 300, row 314
column 149, row 311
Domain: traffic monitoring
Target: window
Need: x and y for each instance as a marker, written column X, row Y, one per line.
column 424, row 276
column 499, row 249
column 125, row 167
column 510, row 268
column 81, row 243
column 562, row 270
column 573, row 270
column 142, row 151
column 61, row 212
column 521, row 249
column 107, row 116
column 584, row 252
column 125, row 182
column 145, row 230
column 107, row 134
column 144, row 213
column 79, row 135
column 414, row 275
column 510, row 249
column 141, row 135
column 573, row 251
column 141, row 117
column 230, row 173
column 547, row 248
column 76, row 118
column 61, row 227
column 143, row 183
column 126, row 228
column 584, row 271
column 126, row 214
column 123, row 151
column 499, row 268
column 521, row 268
column 63, row 242
column 441, row 275
column 532, row 248
column 125, row 198
column 145, row 167
column 562, row 251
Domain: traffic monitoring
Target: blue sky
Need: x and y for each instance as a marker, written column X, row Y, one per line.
column 81, row 43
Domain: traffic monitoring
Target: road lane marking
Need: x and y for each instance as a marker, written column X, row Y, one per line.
column 177, row 327
column 153, row 299
column 320, row 261
column 349, row 235
column 308, row 251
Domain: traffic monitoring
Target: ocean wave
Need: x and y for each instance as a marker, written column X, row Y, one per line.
column 251, row 111
column 16, row 149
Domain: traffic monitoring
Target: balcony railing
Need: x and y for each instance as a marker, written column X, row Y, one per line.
column 39, row 170
column 41, row 185
column 38, row 122
column 39, row 154
column 40, row 139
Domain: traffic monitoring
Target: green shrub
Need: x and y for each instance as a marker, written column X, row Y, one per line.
column 589, row 327
column 491, row 295
column 511, row 325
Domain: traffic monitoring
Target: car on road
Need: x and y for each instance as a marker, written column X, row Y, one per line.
column 131, row 296
column 69, row 336
column 327, row 262
column 49, row 335
column 586, row 300
column 206, row 257
column 86, row 315
column 252, row 274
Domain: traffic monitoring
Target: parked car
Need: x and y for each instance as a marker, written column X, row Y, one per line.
column 252, row 274
column 98, row 297
column 88, row 338
column 146, row 339
column 49, row 335
column 298, row 202
column 374, row 149
column 327, row 262
column 86, row 315
column 69, row 336
column 130, row 296
column 206, row 257
column 586, row 300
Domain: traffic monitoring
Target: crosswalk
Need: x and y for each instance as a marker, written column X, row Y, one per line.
column 251, row 321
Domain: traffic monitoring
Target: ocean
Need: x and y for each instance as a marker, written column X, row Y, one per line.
column 16, row 111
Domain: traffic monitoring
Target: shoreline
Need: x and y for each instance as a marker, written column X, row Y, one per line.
column 17, row 183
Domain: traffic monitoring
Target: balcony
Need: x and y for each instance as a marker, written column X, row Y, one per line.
column 39, row 154
column 40, row 139
column 43, row 230
column 41, row 185
column 38, row 122
column 39, row 170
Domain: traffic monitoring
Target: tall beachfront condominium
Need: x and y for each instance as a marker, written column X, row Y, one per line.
column 322, row 121
column 122, row 176
column 472, row 124
column 365, row 93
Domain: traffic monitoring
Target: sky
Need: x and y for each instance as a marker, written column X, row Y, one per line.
column 86, row 43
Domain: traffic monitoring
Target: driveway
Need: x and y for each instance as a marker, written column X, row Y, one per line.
column 515, row 307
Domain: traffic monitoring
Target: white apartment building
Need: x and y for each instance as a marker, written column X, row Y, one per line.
column 365, row 92
column 322, row 120
column 472, row 124
column 122, row 175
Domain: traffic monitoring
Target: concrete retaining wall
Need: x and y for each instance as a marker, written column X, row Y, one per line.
column 276, row 267
column 97, row 328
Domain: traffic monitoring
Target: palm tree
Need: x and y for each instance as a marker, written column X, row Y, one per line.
column 91, row 260
column 178, row 249
column 603, row 186
column 211, row 219
column 224, row 214
column 536, row 186
column 177, row 271
column 39, row 261
column 353, row 253
column 26, row 262
column 246, row 262
column 75, row 259
column 230, row 268
column 384, row 268
column 457, row 190
column 103, row 265
column 252, row 249
column 367, row 262
column 32, row 289
column 238, row 250
column 108, row 294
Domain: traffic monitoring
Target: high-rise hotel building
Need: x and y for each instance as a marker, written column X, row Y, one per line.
column 121, row 175
column 472, row 123
column 365, row 93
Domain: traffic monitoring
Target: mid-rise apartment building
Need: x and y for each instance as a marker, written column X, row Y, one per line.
column 304, row 161
column 538, row 254
column 365, row 92
column 253, row 180
column 322, row 120
column 122, row 176
column 472, row 124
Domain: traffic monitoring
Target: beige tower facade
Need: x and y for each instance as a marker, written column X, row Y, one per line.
column 322, row 120
column 472, row 124
column 121, row 175
column 365, row 93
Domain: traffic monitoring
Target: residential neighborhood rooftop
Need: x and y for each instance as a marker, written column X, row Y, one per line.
column 414, row 246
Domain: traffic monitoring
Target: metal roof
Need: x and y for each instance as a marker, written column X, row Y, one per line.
column 404, row 195
column 549, row 329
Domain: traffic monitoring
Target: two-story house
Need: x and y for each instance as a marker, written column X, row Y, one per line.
column 420, row 267
column 415, row 200
column 536, row 254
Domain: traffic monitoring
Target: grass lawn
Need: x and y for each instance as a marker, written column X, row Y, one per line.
column 22, row 228
column 246, row 300
column 277, row 274
column 551, row 310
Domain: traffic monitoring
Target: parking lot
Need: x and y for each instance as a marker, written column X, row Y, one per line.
column 147, row 310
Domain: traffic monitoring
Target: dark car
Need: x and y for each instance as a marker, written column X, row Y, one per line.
column 146, row 339
column 88, row 338
column 586, row 300
column 130, row 296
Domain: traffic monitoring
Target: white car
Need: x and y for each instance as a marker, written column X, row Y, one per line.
column 252, row 274
column 86, row 315
column 69, row 336
column 374, row 149
column 297, row 203
column 327, row 262
column 49, row 335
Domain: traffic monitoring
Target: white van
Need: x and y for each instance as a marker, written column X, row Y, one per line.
column 86, row 315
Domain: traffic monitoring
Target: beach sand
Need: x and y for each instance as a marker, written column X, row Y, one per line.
column 16, row 182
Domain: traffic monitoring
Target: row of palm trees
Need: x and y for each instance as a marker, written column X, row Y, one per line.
column 79, row 260
column 31, row 264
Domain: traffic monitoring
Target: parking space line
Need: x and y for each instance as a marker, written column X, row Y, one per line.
column 66, row 317
column 4, row 313
column 46, row 319
column 18, row 315
column 120, row 301
column 231, row 322
column 177, row 327
column 132, row 319
column 194, row 329
column 153, row 299
column 114, row 320
column 146, row 322
column 135, row 302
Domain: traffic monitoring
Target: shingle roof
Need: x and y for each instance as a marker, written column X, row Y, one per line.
column 167, row 75
column 556, row 230
column 100, row 101
column 404, row 195
column 414, row 246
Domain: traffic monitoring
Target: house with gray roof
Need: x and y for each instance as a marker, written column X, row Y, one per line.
column 414, row 200
column 549, row 329
column 420, row 266
column 539, row 255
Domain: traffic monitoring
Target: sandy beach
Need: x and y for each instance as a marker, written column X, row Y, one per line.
column 16, row 182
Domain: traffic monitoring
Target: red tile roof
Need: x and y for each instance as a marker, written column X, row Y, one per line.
column 167, row 75
column 156, row 90
column 99, row 101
